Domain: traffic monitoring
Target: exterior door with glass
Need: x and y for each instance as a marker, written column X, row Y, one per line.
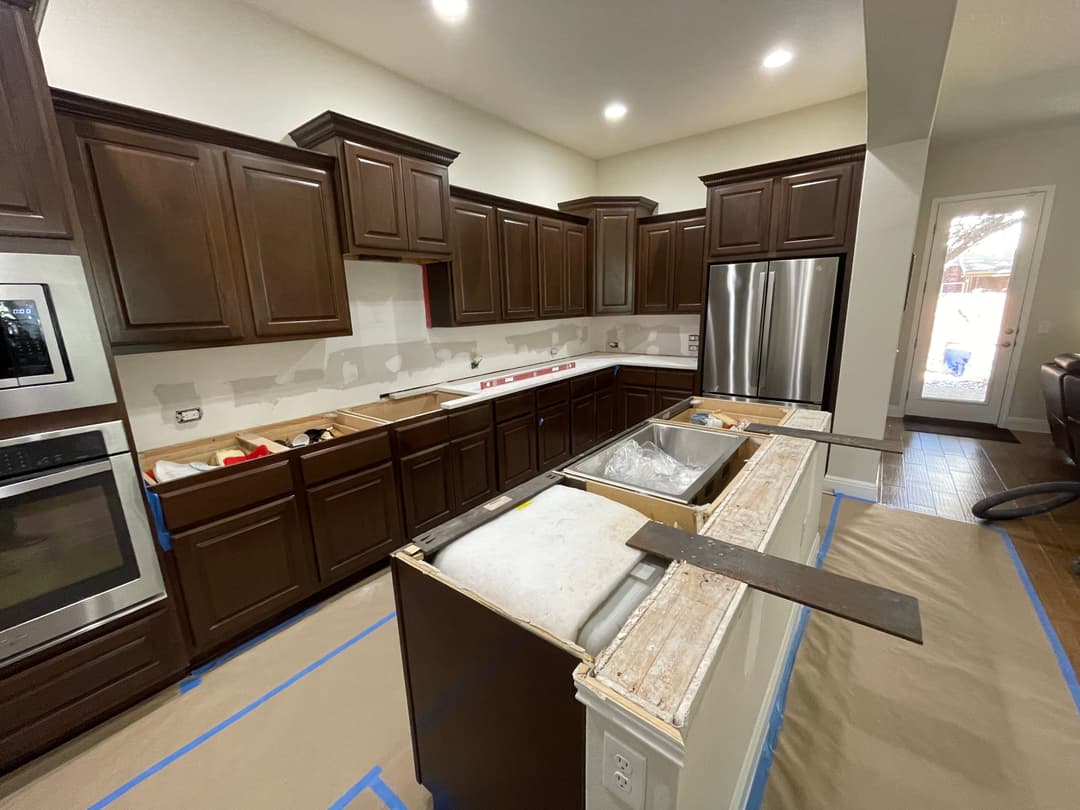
column 980, row 261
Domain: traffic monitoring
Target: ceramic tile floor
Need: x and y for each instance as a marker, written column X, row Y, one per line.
column 944, row 475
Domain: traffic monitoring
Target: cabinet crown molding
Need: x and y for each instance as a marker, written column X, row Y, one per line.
column 644, row 205
column 483, row 198
column 780, row 167
column 330, row 124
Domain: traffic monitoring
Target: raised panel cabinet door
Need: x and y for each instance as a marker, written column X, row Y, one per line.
column 655, row 267
column 427, row 489
column 376, row 199
column 638, row 404
column 688, row 287
column 616, row 239
column 605, row 414
column 576, row 242
column 156, row 235
column 472, row 460
column 240, row 570
column 517, row 265
column 287, row 217
column 31, row 164
column 515, row 447
column 582, row 424
column 427, row 206
column 475, row 268
column 551, row 266
column 666, row 397
column 355, row 521
column 813, row 208
column 739, row 218
column 553, row 435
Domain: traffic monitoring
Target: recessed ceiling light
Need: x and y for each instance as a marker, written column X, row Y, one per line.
column 777, row 58
column 615, row 111
column 451, row 10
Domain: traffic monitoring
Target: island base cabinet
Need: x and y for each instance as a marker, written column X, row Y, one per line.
column 245, row 568
column 355, row 521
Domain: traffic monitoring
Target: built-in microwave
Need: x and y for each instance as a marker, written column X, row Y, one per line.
column 51, row 354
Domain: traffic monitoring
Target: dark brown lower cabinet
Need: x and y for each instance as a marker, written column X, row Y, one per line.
column 665, row 398
column 238, row 571
column 637, row 403
column 427, row 489
column 355, row 521
column 553, row 435
column 45, row 702
column 472, row 460
column 606, row 423
column 582, row 424
column 515, row 445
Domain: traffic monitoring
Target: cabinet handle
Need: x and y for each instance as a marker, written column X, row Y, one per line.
column 541, row 423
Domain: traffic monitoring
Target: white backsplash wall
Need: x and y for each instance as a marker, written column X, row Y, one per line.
column 644, row 334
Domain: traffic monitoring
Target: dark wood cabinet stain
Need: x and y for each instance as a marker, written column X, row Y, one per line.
column 517, row 265
column 576, row 242
column 740, row 216
column 553, row 435
column 475, row 265
column 515, row 445
column 656, row 267
column 688, row 287
column 813, row 207
column 551, row 266
column 376, row 198
column 427, row 205
column 427, row 488
column 472, row 460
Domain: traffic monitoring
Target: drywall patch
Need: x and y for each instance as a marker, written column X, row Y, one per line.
column 174, row 397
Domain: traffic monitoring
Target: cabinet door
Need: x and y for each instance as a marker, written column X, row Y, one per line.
column 475, row 265
column 605, row 414
column 813, row 208
column 577, row 269
column 287, row 217
column 551, row 266
column 31, row 166
column 376, row 199
column 553, row 435
column 616, row 239
column 515, row 444
column 689, row 284
column 427, row 206
column 638, row 404
column 355, row 521
column 517, row 255
column 666, row 397
column 738, row 218
column 243, row 569
column 472, row 460
column 655, row 267
column 427, row 489
column 156, row 235
column 582, row 424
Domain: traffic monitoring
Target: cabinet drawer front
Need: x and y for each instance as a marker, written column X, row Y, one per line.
column 604, row 379
column 582, row 385
column 470, row 420
column 675, row 380
column 355, row 521
column 427, row 489
column 376, row 198
column 242, row 570
column 346, row 457
column 634, row 375
column 515, row 445
column 224, row 493
column 514, row 406
column 552, row 394
column 422, row 434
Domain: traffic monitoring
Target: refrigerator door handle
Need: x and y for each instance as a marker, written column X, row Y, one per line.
column 766, row 328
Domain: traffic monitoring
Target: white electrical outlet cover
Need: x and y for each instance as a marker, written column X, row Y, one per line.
column 624, row 772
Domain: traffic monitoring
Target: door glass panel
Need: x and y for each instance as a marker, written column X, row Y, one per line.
column 979, row 260
column 61, row 544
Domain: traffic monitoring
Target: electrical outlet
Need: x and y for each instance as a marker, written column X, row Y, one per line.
column 188, row 415
column 624, row 772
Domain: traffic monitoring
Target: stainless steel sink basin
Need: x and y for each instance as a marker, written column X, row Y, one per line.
column 699, row 448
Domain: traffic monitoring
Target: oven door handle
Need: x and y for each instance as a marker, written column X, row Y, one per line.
column 59, row 477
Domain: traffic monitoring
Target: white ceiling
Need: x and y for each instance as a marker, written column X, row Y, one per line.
column 1010, row 64
column 682, row 66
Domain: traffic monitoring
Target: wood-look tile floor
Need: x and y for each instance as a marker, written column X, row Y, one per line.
column 945, row 475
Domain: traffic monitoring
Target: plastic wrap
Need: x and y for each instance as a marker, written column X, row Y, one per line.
column 646, row 465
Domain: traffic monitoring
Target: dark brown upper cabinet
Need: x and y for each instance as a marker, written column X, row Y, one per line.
column 517, row 265
column 396, row 188
column 671, row 263
column 576, row 241
column 613, row 221
column 551, row 265
column 287, row 217
column 196, row 235
column 806, row 206
column 32, row 174
column 466, row 289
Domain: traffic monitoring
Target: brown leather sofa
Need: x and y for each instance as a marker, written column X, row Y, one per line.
column 1061, row 387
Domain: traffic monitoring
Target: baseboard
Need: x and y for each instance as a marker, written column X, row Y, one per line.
column 1027, row 425
column 849, row 486
column 896, row 411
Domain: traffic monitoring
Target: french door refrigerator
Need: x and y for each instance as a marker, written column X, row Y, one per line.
column 767, row 329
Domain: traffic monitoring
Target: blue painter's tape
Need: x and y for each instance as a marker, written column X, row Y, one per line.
column 1064, row 664
column 389, row 798
column 372, row 779
column 237, row 716
column 163, row 537
column 776, row 715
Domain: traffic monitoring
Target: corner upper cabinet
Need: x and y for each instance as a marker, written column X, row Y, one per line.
column 739, row 219
column 671, row 263
column 32, row 177
column 396, row 188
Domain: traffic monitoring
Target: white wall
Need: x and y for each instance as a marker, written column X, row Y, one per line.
column 1045, row 155
column 669, row 172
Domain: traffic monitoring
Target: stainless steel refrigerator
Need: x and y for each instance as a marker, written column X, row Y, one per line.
column 767, row 329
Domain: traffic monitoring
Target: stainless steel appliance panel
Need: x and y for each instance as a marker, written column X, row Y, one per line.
column 733, row 325
column 797, row 328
